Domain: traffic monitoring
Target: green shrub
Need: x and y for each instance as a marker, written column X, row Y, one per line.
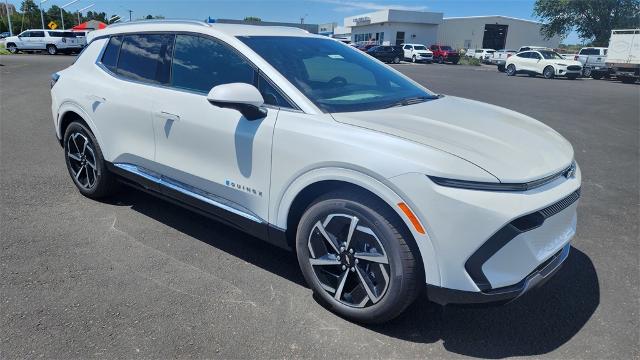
column 470, row 61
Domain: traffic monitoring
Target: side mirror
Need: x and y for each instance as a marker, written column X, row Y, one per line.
column 242, row 97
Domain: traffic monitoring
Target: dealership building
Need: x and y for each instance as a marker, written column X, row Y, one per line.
column 402, row 26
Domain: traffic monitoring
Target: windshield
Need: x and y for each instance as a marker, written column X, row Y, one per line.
column 551, row 55
column 333, row 76
column 420, row 47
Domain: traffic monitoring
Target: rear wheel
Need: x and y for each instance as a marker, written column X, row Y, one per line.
column 396, row 60
column 52, row 49
column 511, row 70
column 355, row 256
column 549, row 72
column 586, row 72
column 86, row 164
column 440, row 60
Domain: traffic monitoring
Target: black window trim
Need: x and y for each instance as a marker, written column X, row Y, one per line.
column 257, row 71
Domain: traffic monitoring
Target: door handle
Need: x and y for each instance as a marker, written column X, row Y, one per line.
column 96, row 98
column 168, row 116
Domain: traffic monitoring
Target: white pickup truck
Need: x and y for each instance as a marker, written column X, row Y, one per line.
column 623, row 56
column 593, row 64
column 499, row 58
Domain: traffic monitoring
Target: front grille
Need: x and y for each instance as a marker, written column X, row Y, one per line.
column 573, row 67
column 560, row 205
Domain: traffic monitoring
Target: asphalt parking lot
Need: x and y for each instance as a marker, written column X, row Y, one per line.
column 138, row 277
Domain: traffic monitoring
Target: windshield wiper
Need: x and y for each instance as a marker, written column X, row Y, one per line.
column 411, row 101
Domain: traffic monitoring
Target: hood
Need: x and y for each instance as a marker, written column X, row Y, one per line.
column 512, row 147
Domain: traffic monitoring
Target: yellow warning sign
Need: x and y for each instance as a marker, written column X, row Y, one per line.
column 52, row 25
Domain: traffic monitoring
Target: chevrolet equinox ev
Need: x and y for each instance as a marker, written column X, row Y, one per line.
column 381, row 187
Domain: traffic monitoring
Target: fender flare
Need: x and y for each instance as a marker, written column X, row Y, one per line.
column 70, row 106
column 381, row 188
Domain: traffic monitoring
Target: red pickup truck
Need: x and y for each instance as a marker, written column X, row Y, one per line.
column 444, row 53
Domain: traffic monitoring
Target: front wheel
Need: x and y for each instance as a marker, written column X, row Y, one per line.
column 440, row 60
column 85, row 163
column 356, row 257
column 549, row 72
column 413, row 59
column 511, row 70
column 52, row 49
column 12, row 48
column 586, row 72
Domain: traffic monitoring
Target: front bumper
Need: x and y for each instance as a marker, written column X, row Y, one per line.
column 537, row 278
column 424, row 58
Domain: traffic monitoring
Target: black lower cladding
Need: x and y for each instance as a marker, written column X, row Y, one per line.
column 503, row 295
column 261, row 230
column 508, row 233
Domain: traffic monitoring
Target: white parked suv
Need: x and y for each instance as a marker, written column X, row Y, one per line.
column 380, row 186
column 547, row 63
column 52, row 41
column 417, row 53
column 484, row 55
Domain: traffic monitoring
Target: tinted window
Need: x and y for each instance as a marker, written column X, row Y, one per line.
column 146, row 57
column 200, row 63
column 523, row 55
column 271, row 95
column 549, row 55
column 334, row 77
column 37, row 34
column 25, row 34
column 408, row 47
column 110, row 56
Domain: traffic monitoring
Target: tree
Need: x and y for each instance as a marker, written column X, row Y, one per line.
column 252, row 19
column 592, row 19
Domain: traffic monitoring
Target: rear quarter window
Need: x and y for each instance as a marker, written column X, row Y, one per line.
column 110, row 55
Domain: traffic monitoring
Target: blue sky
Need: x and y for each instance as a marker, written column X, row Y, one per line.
column 314, row 11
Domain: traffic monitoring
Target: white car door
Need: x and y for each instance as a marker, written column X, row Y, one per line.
column 22, row 40
column 37, row 40
column 408, row 49
column 214, row 151
column 537, row 62
column 119, row 99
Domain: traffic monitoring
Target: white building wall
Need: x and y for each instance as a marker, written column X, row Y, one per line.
column 426, row 34
column 468, row 32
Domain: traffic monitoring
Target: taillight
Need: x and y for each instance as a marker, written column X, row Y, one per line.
column 54, row 79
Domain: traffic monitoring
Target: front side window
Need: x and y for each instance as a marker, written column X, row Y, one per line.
column 550, row 55
column 335, row 77
column 25, row 34
column 37, row 34
column 200, row 63
column 146, row 57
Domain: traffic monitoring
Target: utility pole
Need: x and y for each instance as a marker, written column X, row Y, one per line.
column 61, row 13
column 130, row 11
column 83, row 9
column 42, row 12
column 6, row 7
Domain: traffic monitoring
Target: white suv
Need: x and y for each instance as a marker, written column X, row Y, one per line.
column 380, row 186
column 52, row 41
column 417, row 53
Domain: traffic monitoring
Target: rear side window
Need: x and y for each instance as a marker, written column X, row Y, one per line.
column 146, row 57
column 110, row 56
column 200, row 63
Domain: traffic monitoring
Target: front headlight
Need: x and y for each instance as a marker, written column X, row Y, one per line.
column 565, row 65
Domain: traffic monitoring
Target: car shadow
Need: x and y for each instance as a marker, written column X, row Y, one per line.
column 535, row 324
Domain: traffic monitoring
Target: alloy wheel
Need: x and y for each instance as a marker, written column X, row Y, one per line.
column 12, row 49
column 82, row 160
column 349, row 260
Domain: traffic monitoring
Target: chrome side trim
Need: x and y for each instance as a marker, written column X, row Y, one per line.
column 188, row 190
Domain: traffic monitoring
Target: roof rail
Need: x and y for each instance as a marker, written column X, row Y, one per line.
column 161, row 21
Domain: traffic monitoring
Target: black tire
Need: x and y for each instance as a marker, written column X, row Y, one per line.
column 12, row 48
column 455, row 62
column 501, row 68
column 104, row 182
column 413, row 59
column 586, row 72
column 440, row 60
column 511, row 70
column 549, row 72
column 52, row 49
column 404, row 280
column 396, row 60
column 627, row 79
column 596, row 76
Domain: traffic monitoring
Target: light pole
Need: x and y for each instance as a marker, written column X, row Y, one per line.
column 61, row 13
column 42, row 12
column 83, row 9
column 6, row 7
